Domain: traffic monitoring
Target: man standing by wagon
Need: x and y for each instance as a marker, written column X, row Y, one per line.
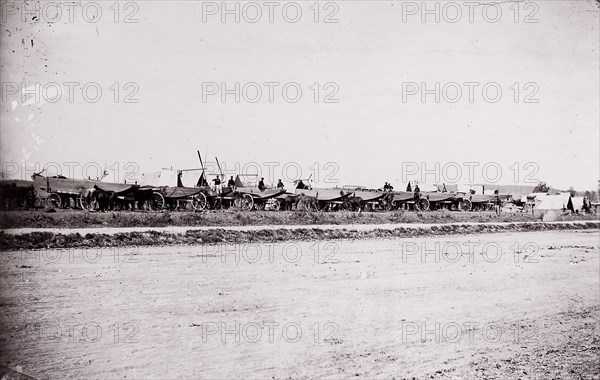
column 217, row 185
column 417, row 197
column 497, row 204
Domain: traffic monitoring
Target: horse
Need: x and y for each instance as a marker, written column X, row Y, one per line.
column 99, row 197
column 354, row 203
column 288, row 203
column 387, row 201
column 307, row 203
column 143, row 198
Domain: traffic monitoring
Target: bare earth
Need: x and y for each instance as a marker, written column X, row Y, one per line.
column 518, row 305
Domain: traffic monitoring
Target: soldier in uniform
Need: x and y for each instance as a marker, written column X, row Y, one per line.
column 497, row 204
column 217, row 185
column 231, row 183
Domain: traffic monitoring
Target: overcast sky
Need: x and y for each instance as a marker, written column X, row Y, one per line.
column 380, row 129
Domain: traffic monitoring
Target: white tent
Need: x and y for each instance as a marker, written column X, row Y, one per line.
column 559, row 202
column 577, row 203
column 190, row 178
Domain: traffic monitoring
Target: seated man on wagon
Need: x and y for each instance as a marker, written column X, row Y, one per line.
column 261, row 184
column 231, row 183
column 280, row 184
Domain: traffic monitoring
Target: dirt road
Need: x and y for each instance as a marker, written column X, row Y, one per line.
column 494, row 306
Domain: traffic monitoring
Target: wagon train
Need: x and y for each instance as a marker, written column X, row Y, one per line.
column 189, row 189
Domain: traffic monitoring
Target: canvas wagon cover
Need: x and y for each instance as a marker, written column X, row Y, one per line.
column 255, row 192
column 115, row 187
column 165, row 177
column 180, row 192
column 190, row 178
column 324, row 194
column 481, row 198
column 367, row 195
column 403, row 195
column 63, row 185
column 437, row 197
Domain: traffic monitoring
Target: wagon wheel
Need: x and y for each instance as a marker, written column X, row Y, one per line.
column 54, row 200
column 38, row 203
column 424, row 204
column 199, row 202
column 465, row 205
column 276, row 204
column 180, row 204
column 388, row 206
column 237, row 202
column 247, row 202
column 157, row 202
column 260, row 205
column 86, row 204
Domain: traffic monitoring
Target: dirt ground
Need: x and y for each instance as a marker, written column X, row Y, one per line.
column 509, row 305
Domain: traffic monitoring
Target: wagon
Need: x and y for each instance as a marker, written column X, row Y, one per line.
column 370, row 198
column 178, row 198
column 439, row 200
column 61, row 191
column 169, row 191
column 406, row 200
column 481, row 202
column 330, row 198
column 248, row 198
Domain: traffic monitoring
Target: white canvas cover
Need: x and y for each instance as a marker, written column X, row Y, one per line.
column 577, row 203
column 150, row 179
column 165, row 177
column 190, row 178
column 246, row 180
column 556, row 202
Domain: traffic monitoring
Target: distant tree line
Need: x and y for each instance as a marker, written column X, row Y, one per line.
column 593, row 196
